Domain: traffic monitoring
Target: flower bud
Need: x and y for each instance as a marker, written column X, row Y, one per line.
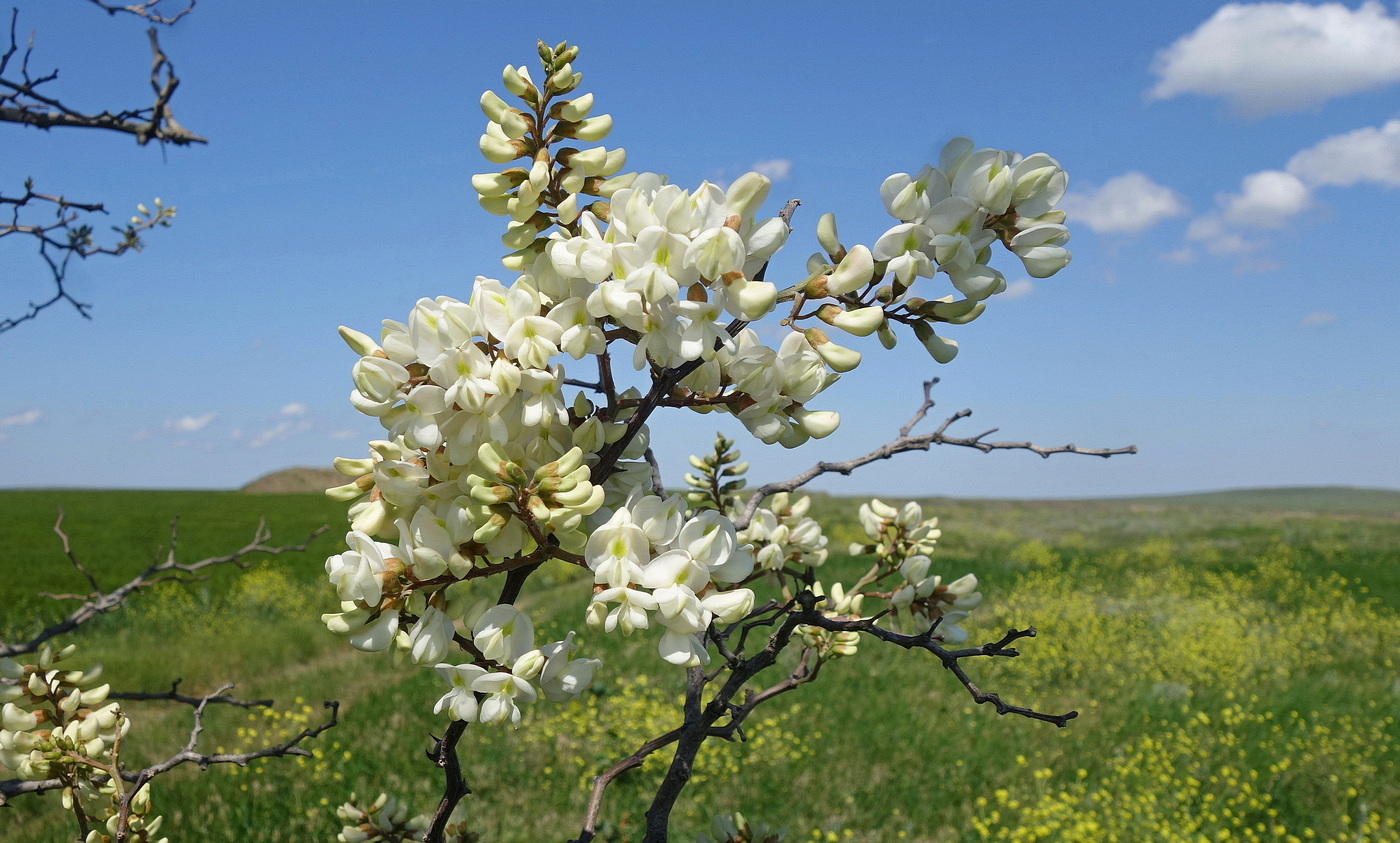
column 839, row 358
column 826, row 235
column 493, row 106
column 592, row 129
column 941, row 349
column 855, row 271
column 500, row 150
column 576, row 109
column 747, row 193
column 861, row 322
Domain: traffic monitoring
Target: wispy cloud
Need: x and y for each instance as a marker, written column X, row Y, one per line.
column 1267, row 58
column 1125, row 204
column 28, row 417
column 777, row 169
column 278, row 432
column 189, row 424
column 1018, row 289
column 294, row 410
column 1317, row 317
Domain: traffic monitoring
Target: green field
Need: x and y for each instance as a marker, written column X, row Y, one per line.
column 1233, row 657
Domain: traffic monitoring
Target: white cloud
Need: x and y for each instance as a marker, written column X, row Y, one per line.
column 189, row 424
column 278, row 432
column 1365, row 155
column 1184, row 255
column 1319, row 317
column 1018, row 289
column 1267, row 199
column 1266, row 58
column 1125, row 204
column 21, row 419
column 294, row 410
column 777, row 169
column 1219, row 239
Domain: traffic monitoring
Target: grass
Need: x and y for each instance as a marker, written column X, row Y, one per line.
column 1234, row 667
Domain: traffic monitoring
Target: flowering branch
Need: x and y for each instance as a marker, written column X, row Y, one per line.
column 100, row 602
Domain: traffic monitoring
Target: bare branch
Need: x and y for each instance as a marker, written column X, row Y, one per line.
column 904, row 442
column 22, row 101
column 101, row 602
column 145, row 10
column 174, row 695
column 188, row 755
column 68, row 234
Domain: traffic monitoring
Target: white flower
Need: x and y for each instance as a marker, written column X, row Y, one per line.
column 631, row 611
column 430, row 636
column 460, row 701
column 504, row 633
column 502, row 690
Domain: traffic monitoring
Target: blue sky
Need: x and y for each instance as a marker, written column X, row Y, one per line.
column 1230, row 308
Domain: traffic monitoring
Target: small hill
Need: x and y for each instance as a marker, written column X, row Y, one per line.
column 301, row 479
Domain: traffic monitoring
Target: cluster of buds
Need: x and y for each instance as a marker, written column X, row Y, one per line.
column 895, row 534
column 53, row 719
column 924, row 599
column 735, row 828
column 549, row 186
column 720, row 478
column 53, row 725
column 386, row 820
column 782, row 534
column 840, row 604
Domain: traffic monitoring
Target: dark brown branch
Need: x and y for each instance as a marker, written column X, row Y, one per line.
column 174, row 695
column 22, row 101
column 905, row 442
column 102, row 602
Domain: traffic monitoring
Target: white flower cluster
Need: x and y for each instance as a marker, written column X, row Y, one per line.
column 950, row 216
column 490, row 467
column 53, row 725
column 386, row 820
column 49, row 710
column 781, row 533
column 650, row 544
column 902, row 539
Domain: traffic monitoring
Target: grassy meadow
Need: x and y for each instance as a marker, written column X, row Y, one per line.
column 1233, row 658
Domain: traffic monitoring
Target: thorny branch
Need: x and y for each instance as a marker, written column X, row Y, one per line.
column 100, row 602
column 904, row 442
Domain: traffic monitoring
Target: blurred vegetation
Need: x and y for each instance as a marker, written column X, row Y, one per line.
column 1233, row 663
